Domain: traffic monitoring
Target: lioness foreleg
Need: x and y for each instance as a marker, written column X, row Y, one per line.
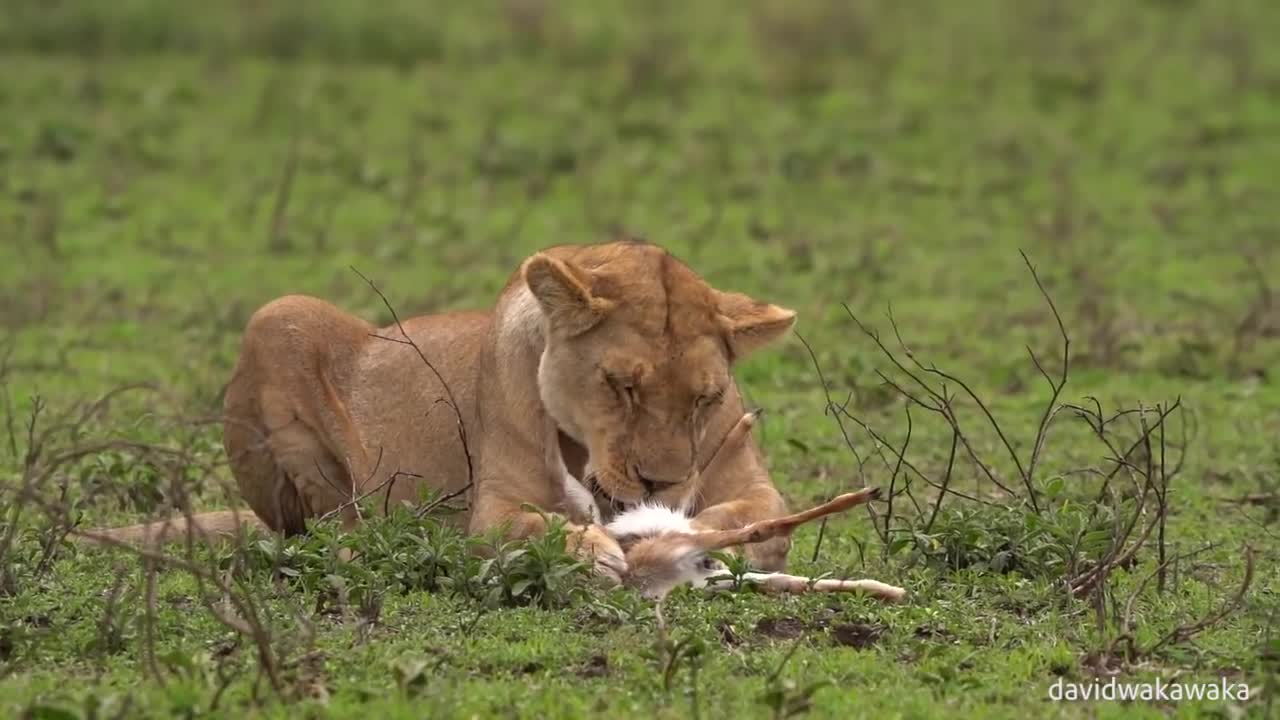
column 588, row 542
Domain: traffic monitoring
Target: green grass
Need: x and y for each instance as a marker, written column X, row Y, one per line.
column 165, row 170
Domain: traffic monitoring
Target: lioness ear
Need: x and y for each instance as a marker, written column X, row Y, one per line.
column 751, row 324
column 561, row 289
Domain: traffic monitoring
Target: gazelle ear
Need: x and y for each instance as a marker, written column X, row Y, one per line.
column 564, row 293
column 751, row 324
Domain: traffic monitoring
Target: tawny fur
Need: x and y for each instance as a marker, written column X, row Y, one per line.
column 320, row 410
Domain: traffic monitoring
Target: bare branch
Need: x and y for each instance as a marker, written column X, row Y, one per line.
column 451, row 401
column 1183, row 633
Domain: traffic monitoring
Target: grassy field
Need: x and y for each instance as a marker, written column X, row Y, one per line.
column 164, row 170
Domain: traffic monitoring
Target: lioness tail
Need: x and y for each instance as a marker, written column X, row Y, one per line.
column 209, row 527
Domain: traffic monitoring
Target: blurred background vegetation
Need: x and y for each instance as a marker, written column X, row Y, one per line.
column 178, row 166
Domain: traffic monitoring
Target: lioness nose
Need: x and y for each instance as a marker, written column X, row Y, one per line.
column 650, row 487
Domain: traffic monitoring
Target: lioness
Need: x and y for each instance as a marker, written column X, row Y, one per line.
column 610, row 361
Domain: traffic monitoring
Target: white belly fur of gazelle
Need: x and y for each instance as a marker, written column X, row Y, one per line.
column 664, row 550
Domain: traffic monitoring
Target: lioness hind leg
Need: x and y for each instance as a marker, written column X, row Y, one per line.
column 315, row 483
column 283, row 469
column 286, row 431
column 262, row 482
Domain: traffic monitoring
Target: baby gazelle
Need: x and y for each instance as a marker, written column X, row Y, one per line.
column 669, row 555
column 665, row 551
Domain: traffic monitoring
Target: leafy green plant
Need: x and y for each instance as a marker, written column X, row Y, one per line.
column 404, row 553
column 737, row 565
column 541, row 571
column 1008, row 539
column 133, row 482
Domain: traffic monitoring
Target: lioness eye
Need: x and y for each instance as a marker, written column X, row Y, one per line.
column 622, row 386
column 708, row 399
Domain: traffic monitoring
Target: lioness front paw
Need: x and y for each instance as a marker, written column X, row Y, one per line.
column 593, row 544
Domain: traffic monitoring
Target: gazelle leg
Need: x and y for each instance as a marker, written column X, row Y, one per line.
column 782, row 582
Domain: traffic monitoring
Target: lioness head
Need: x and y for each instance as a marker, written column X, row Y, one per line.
column 637, row 361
